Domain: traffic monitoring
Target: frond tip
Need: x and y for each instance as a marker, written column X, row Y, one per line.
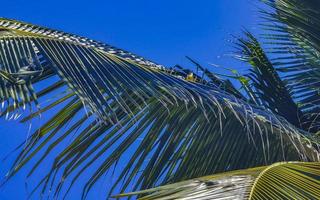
column 286, row 180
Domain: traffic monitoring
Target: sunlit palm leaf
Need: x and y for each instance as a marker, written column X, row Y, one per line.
column 278, row 181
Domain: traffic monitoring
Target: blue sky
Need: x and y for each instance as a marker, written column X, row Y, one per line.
column 163, row 31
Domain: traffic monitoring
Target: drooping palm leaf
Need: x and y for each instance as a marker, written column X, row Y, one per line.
column 169, row 129
column 279, row 181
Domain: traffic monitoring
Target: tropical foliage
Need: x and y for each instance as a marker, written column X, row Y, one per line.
column 147, row 125
column 278, row 181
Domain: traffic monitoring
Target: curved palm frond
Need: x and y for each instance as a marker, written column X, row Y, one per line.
column 279, row 181
column 118, row 104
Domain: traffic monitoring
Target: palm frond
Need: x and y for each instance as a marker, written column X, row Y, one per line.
column 279, row 181
column 160, row 126
column 266, row 82
column 293, row 36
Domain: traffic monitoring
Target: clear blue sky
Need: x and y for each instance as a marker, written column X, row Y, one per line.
column 163, row 31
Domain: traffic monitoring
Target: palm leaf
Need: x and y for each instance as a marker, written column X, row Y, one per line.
column 121, row 108
column 266, row 82
column 278, row 181
column 293, row 40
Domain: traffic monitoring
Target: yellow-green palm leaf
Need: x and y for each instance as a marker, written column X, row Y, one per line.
column 279, row 181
